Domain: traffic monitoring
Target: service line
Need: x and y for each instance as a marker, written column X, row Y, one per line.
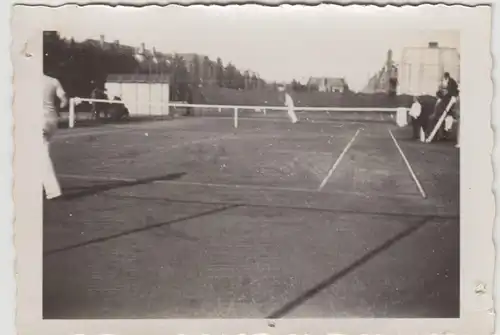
column 419, row 186
column 337, row 162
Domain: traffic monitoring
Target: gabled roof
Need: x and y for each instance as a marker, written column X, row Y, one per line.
column 327, row 81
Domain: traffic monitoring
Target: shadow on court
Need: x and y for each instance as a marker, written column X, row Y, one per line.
column 96, row 189
column 344, row 272
column 138, row 230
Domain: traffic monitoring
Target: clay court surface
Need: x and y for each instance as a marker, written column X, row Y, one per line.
column 193, row 218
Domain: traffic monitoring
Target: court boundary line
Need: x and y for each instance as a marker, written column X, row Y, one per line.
column 119, row 129
column 239, row 186
column 298, row 151
column 337, row 162
column 338, row 124
column 97, row 240
column 63, row 135
column 440, row 216
column 412, row 173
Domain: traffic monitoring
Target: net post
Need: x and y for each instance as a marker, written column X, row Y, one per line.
column 235, row 117
column 71, row 112
column 402, row 117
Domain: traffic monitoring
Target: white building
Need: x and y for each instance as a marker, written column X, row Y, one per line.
column 421, row 69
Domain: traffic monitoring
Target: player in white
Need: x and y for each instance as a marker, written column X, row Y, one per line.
column 54, row 98
column 418, row 121
column 291, row 107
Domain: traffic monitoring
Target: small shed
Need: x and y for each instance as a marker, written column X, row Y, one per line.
column 143, row 94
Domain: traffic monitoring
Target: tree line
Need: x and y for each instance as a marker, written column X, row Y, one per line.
column 81, row 65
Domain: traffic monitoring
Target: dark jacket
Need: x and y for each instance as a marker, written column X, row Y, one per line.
column 452, row 88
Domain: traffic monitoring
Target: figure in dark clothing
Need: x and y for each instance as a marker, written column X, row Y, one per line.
column 98, row 107
column 448, row 90
column 189, row 100
column 118, row 111
column 420, row 112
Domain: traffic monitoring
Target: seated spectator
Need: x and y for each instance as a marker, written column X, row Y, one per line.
column 447, row 93
column 117, row 111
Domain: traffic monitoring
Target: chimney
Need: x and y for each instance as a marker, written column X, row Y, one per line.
column 433, row 45
column 102, row 40
column 143, row 48
column 117, row 43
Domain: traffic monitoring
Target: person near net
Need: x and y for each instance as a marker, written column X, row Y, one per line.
column 189, row 100
column 421, row 111
column 447, row 92
column 417, row 119
column 98, row 107
column 290, row 105
column 54, row 98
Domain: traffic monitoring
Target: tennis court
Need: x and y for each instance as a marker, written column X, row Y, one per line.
column 193, row 218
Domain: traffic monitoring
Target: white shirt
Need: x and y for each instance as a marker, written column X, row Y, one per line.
column 445, row 83
column 52, row 90
column 288, row 101
column 416, row 109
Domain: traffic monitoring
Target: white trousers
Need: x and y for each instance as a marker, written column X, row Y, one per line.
column 49, row 179
column 292, row 115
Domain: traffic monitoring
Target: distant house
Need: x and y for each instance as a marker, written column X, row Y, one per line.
column 115, row 45
column 326, row 84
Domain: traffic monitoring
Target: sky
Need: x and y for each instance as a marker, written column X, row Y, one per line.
column 281, row 43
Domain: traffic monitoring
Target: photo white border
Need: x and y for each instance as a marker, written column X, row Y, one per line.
column 477, row 210
column 7, row 278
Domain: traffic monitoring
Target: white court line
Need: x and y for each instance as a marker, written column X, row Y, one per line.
column 60, row 135
column 233, row 186
column 113, row 129
column 176, row 182
column 337, row 162
column 420, row 188
column 298, row 151
column 96, row 178
column 337, row 124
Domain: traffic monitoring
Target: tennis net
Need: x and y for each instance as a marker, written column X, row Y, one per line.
column 85, row 111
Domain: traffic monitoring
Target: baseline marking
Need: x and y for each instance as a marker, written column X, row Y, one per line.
column 188, row 183
column 232, row 186
column 337, row 162
column 62, row 135
column 420, row 188
column 298, row 151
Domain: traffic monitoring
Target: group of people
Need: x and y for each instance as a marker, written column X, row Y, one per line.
column 427, row 114
column 115, row 111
